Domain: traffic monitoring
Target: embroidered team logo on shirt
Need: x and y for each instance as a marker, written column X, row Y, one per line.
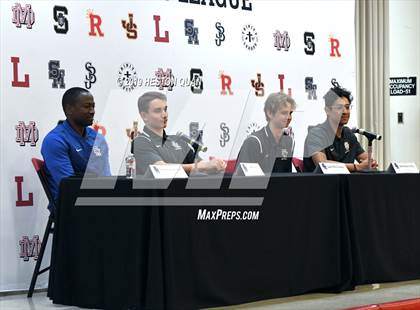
column 346, row 146
column 284, row 154
column 176, row 145
column 97, row 151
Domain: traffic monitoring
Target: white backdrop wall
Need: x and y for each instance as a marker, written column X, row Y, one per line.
column 404, row 45
column 116, row 108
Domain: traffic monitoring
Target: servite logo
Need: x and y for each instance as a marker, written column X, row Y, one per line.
column 127, row 77
column 249, row 37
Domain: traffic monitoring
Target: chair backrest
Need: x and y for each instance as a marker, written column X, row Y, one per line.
column 230, row 164
column 298, row 163
column 39, row 166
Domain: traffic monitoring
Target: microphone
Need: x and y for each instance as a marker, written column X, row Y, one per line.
column 195, row 144
column 367, row 134
column 287, row 131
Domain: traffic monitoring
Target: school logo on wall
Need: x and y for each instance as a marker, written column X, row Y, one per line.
column 20, row 202
column 127, row 77
column 191, row 32
column 56, row 74
column 226, row 81
column 335, row 44
column 310, row 88
column 59, row 14
column 224, row 136
column 196, row 78
column 130, row 27
column 29, row 247
column 27, row 133
column 220, row 35
column 309, row 40
column 90, row 77
column 281, row 78
column 95, row 22
column 249, row 37
column 23, row 15
column 253, row 127
column 158, row 36
column 165, row 79
column 258, row 86
column 281, row 40
column 15, row 82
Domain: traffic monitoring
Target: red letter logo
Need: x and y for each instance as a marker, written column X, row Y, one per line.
column 16, row 82
column 289, row 90
column 335, row 44
column 95, row 23
column 226, row 83
column 20, row 202
column 158, row 37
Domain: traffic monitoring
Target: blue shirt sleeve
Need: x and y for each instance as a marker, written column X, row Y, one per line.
column 55, row 152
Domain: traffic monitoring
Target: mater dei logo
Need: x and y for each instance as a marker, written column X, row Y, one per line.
column 29, row 247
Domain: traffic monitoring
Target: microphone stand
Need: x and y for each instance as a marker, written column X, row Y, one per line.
column 197, row 148
column 369, row 154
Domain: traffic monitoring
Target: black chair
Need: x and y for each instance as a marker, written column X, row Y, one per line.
column 39, row 168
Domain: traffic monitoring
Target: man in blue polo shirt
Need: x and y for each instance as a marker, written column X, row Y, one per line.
column 73, row 148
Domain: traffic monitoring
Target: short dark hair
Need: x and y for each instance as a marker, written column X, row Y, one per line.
column 274, row 101
column 71, row 95
column 336, row 92
column 145, row 99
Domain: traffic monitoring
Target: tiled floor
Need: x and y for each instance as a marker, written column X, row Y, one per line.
column 363, row 295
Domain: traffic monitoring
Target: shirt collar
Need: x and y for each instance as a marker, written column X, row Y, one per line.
column 74, row 133
column 344, row 132
column 155, row 137
column 269, row 135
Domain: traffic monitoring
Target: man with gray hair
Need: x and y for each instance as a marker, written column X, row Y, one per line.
column 154, row 146
column 272, row 146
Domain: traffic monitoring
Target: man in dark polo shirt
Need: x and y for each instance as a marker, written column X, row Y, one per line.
column 272, row 146
column 332, row 141
column 153, row 146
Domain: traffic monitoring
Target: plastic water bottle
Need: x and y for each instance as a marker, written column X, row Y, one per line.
column 130, row 167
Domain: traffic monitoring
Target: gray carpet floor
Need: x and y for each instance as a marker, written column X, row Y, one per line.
column 363, row 295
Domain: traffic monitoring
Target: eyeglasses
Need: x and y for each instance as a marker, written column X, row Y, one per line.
column 340, row 107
